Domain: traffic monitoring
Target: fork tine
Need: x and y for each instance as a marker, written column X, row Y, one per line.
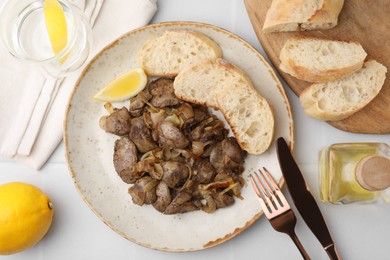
column 263, row 197
column 265, row 192
column 258, row 187
column 271, row 191
column 254, row 185
column 278, row 194
column 271, row 179
column 267, row 185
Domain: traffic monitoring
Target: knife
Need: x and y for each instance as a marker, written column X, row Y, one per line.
column 303, row 199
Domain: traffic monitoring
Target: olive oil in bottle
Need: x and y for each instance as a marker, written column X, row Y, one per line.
column 355, row 173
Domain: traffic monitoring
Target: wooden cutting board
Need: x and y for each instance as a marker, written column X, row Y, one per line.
column 367, row 22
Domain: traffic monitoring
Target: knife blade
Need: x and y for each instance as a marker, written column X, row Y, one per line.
column 303, row 199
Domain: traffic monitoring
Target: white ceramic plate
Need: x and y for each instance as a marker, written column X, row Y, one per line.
column 89, row 150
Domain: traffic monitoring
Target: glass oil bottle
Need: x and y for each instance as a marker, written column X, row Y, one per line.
column 355, row 173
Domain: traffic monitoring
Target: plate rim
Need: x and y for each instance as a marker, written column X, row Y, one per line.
column 272, row 72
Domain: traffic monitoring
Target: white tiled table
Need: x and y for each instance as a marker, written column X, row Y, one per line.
column 361, row 232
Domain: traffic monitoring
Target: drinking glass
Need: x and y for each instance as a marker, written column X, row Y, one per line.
column 24, row 35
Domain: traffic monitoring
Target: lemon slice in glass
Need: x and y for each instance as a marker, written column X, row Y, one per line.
column 56, row 25
column 124, row 87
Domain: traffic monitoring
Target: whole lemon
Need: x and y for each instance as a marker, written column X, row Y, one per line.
column 25, row 216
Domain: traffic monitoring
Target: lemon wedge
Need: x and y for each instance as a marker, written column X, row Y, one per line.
column 56, row 25
column 124, row 87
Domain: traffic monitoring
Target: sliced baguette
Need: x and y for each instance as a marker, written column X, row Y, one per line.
column 320, row 60
column 200, row 82
column 168, row 54
column 340, row 99
column 221, row 85
column 296, row 15
column 249, row 115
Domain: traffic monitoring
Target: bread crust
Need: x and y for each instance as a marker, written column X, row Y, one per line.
column 318, row 76
column 326, row 17
column 291, row 15
column 291, row 67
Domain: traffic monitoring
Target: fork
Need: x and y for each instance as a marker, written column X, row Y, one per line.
column 275, row 206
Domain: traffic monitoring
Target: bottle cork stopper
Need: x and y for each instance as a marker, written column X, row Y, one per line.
column 373, row 173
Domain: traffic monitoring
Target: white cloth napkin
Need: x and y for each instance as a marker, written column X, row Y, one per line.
column 32, row 107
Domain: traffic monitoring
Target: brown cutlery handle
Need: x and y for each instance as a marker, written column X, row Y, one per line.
column 332, row 252
column 299, row 246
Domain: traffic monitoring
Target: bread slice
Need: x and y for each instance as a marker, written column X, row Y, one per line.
column 249, row 115
column 224, row 86
column 200, row 82
column 340, row 99
column 320, row 60
column 297, row 15
column 168, row 54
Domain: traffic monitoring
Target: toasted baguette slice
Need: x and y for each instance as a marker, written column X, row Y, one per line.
column 320, row 60
column 296, row 15
column 340, row 99
column 221, row 85
column 168, row 54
